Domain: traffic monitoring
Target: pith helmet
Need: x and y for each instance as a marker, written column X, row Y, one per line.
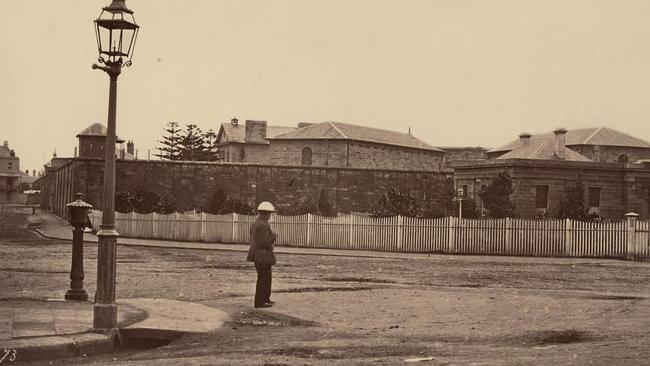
column 265, row 207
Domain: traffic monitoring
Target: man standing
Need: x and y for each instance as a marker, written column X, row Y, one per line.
column 261, row 252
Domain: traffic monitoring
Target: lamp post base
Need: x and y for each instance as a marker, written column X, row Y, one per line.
column 105, row 316
column 76, row 294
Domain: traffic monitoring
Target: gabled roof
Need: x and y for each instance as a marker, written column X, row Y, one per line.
column 97, row 129
column 586, row 136
column 344, row 131
column 543, row 150
column 231, row 133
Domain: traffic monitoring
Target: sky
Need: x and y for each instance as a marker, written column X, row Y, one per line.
column 456, row 72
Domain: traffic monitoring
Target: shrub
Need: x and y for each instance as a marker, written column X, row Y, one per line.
column 393, row 203
column 496, row 196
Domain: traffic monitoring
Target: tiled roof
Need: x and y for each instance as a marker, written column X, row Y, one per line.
column 344, row 131
column 541, row 149
column 586, row 136
column 5, row 151
column 237, row 133
column 97, row 129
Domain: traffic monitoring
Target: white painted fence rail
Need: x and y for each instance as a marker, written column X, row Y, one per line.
column 549, row 238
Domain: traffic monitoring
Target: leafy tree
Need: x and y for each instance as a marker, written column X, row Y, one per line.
column 496, row 196
column 393, row 203
column 573, row 206
column 191, row 143
column 170, row 149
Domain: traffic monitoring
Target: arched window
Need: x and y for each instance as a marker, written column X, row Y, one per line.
column 623, row 158
column 306, row 156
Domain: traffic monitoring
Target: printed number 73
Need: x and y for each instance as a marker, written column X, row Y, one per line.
column 11, row 353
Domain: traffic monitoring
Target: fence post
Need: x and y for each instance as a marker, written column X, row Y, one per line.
column 351, row 232
column 451, row 235
column 568, row 237
column 234, row 227
column 509, row 235
column 308, row 228
column 133, row 225
column 399, row 231
column 175, row 224
column 154, row 226
column 202, row 226
column 631, row 234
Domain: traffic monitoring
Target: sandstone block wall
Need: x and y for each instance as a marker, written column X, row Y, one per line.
column 193, row 183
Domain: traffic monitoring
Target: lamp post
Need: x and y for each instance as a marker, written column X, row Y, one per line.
column 116, row 33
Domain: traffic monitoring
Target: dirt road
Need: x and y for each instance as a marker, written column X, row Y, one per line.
column 351, row 311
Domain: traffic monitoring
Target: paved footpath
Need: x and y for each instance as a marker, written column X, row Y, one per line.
column 38, row 329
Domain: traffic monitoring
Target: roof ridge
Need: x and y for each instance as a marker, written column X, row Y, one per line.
column 592, row 135
column 338, row 129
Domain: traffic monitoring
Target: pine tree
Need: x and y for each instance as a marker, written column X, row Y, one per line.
column 170, row 149
column 496, row 196
column 210, row 146
column 191, row 143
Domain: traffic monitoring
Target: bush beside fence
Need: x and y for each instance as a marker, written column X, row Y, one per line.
column 548, row 238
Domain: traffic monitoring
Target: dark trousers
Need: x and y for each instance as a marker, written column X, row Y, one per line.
column 263, row 286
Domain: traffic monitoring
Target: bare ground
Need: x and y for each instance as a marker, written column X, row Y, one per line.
column 357, row 311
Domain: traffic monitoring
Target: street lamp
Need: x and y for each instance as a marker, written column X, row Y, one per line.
column 116, row 33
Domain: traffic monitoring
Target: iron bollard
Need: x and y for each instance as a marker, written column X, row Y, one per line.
column 78, row 217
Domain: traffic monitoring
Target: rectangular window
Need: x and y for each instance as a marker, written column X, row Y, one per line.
column 464, row 190
column 10, row 165
column 594, row 196
column 541, row 196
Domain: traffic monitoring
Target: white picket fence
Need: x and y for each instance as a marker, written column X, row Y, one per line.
column 549, row 238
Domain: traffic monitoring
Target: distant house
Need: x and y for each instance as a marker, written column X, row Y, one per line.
column 9, row 174
column 331, row 144
column 339, row 144
column 543, row 167
column 92, row 142
column 601, row 144
column 247, row 143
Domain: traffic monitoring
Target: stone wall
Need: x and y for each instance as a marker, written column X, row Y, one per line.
column 192, row 184
column 336, row 153
column 611, row 154
column 92, row 146
column 327, row 153
column 370, row 155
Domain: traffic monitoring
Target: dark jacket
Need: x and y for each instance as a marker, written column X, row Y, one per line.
column 261, row 240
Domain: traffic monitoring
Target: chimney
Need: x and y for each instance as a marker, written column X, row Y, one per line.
column 234, row 121
column 130, row 147
column 75, row 151
column 34, row 172
column 255, row 131
column 6, row 144
column 524, row 138
column 304, row 124
column 559, row 143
